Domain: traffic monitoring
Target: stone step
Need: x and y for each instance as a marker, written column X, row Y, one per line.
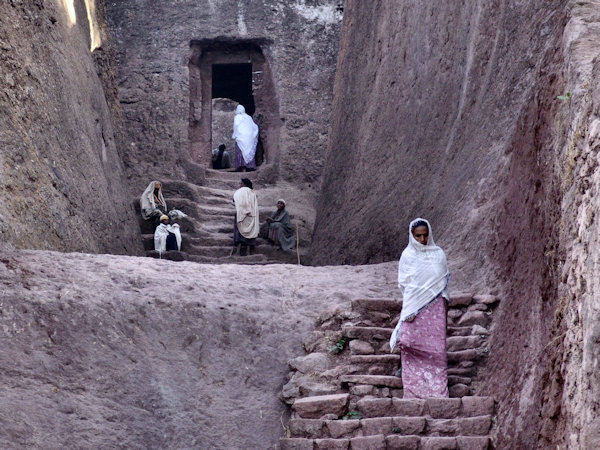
column 386, row 425
column 256, row 259
column 319, row 405
column 438, row 408
column 374, row 380
column 366, row 306
column 389, row 442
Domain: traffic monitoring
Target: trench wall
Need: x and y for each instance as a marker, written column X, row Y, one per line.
column 62, row 184
column 452, row 113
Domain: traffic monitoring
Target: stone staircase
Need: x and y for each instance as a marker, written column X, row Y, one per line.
column 344, row 394
column 207, row 232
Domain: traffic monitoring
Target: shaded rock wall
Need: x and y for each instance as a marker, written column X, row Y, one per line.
column 298, row 40
column 61, row 180
column 451, row 113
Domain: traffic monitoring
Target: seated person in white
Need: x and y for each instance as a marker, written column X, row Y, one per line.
column 167, row 237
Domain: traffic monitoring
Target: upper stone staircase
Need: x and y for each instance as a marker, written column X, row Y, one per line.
column 345, row 395
column 207, row 232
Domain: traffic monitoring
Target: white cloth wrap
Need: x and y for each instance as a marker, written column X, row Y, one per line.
column 147, row 202
column 161, row 233
column 245, row 133
column 246, row 210
column 422, row 276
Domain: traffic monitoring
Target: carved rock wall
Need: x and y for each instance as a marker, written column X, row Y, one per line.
column 298, row 40
column 452, row 113
column 62, row 184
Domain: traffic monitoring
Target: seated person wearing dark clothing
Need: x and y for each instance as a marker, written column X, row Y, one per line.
column 220, row 158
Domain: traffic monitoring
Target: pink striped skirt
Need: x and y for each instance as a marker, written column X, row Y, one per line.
column 423, row 351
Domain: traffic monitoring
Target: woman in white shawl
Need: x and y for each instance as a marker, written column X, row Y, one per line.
column 152, row 202
column 166, row 236
column 246, row 224
column 245, row 133
column 421, row 331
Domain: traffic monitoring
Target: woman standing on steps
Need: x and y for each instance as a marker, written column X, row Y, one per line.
column 421, row 331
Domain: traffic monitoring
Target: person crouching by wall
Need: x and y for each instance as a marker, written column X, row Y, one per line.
column 281, row 232
column 166, row 236
column 152, row 203
column 220, row 158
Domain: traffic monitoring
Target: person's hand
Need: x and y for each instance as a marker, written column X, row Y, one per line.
column 410, row 319
column 269, row 220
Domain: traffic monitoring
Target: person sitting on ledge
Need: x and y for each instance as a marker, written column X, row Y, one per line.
column 245, row 133
column 152, row 203
column 220, row 158
column 281, row 232
column 246, row 223
column 167, row 237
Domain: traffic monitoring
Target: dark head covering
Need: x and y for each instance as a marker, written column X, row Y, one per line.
column 247, row 182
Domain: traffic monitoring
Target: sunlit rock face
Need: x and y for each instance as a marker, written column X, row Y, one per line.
column 61, row 179
column 460, row 114
column 166, row 100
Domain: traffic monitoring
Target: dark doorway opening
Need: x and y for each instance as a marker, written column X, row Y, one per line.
column 234, row 81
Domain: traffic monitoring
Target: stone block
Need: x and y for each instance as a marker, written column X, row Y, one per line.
column 380, row 407
column 368, row 442
column 397, row 393
column 361, row 389
column 477, row 406
column 377, row 425
column 396, row 442
column 296, row 444
column 463, row 355
column 375, row 380
column 459, row 390
column 438, row 443
column 475, row 426
column 358, row 347
column 472, row 442
column 317, row 406
column 457, row 343
column 454, row 313
column 485, row 299
column 342, row 428
column 460, row 299
column 306, row 428
column 457, row 379
column 408, row 425
column 474, row 318
column 409, row 406
column 479, row 330
column 313, row 362
column 478, row 307
column 332, row 444
column 443, row 408
column 442, row 427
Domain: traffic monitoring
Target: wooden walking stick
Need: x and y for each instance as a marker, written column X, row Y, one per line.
column 297, row 245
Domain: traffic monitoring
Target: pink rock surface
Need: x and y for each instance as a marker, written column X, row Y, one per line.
column 123, row 351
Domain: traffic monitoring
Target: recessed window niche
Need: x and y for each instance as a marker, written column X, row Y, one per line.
column 223, row 73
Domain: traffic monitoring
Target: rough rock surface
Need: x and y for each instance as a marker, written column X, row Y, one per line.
column 61, row 176
column 458, row 119
column 298, row 39
column 114, row 351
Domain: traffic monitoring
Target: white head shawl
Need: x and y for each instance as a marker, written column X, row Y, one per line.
column 147, row 202
column 422, row 276
column 245, row 133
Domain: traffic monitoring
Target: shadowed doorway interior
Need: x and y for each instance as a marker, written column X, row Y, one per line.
column 231, row 84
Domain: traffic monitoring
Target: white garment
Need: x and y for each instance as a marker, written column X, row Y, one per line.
column 422, row 276
column 245, row 133
column 246, row 209
column 148, row 202
column 161, row 233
